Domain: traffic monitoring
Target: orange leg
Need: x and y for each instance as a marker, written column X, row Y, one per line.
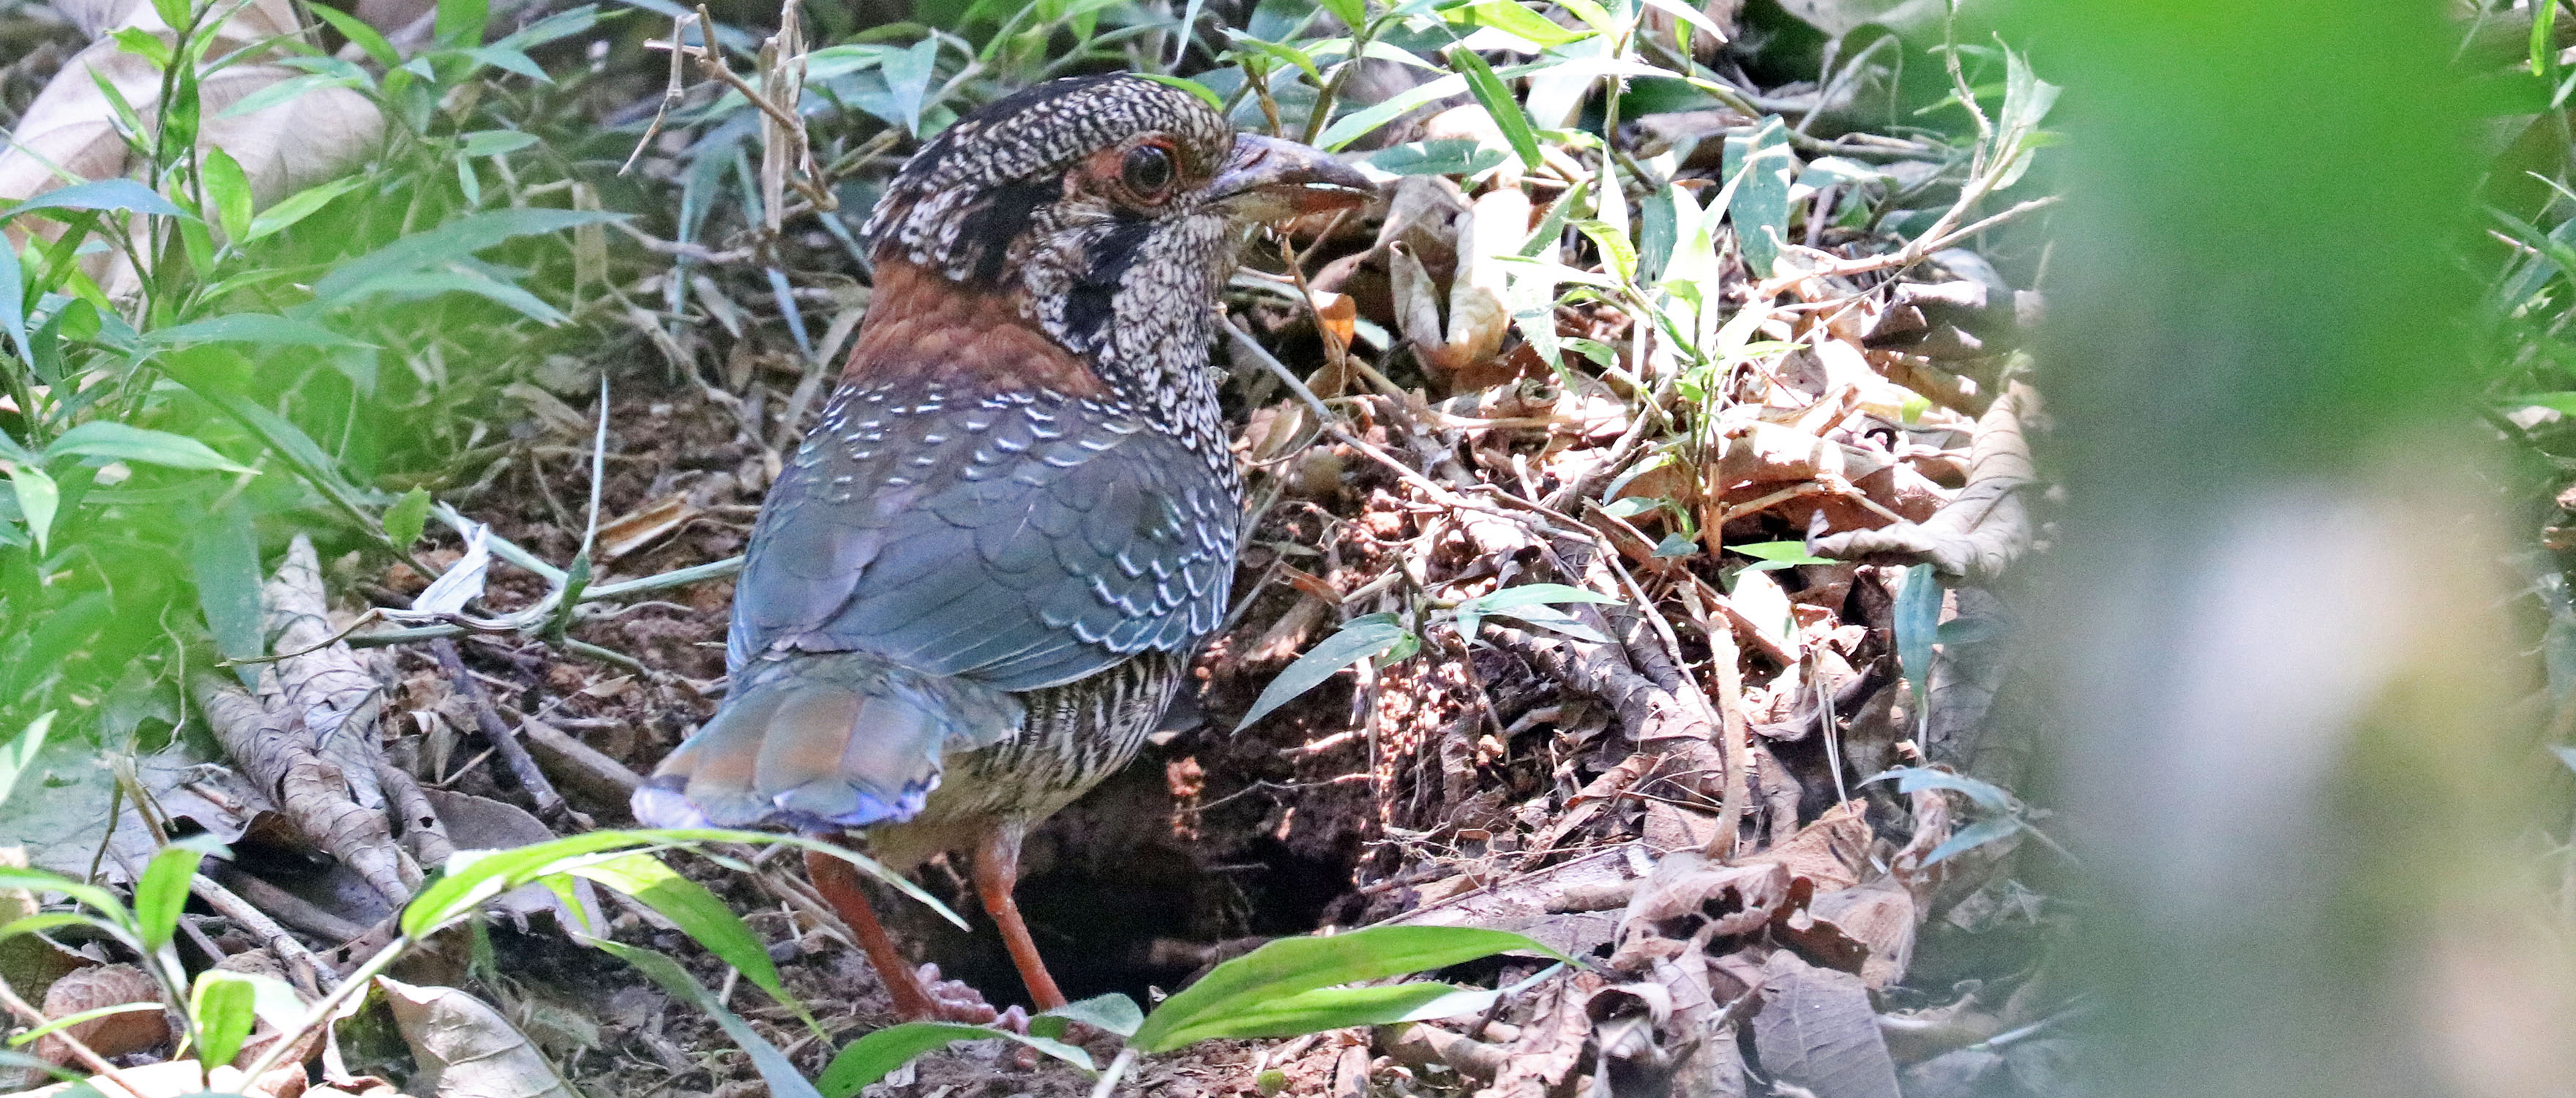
column 839, row 884
column 997, row 869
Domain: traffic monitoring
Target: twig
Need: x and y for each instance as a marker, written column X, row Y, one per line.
column 255, row 919
column 550, row 804
column 671, row 94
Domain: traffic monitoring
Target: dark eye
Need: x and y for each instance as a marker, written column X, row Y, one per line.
column 1147, row 170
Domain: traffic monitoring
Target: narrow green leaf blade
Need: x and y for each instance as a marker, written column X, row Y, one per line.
column 775, row 1069
column 1496, row 97
column 698, row 913
column 19, row 752
column 117, row 441
column 869, row 1058
column 1918, row 617
column 1111, row 1013
column 37, row 500
column 1314, row 1012
column 1357, row 641
column 267, row 329
column 105, row 194
column 298, row 206
column 1293, row 965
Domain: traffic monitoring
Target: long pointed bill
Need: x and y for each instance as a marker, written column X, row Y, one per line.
column 1268, row 179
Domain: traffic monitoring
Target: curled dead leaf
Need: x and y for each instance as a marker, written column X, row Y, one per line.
column 466, row 1048
column 110, row 1035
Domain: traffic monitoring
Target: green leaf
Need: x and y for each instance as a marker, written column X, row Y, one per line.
column 1242, row 987
column 37, row 499
column 697, row 912
column 104, row 194
column 1971, row 837
column 1914, row 779
column 495, row 142
column 20, row 753
column 286, row 91
column 1780, row 554
column 407, row 517
column 775, row 1069
column 1358, row 124
column 225, row 1006
column 432, row 283
column 116, row 441
column 1496, row 98
column 356, row 30
column 228, row 187
column 454, row 240
column 1761, row 166
column 1619, row 256
column 1538, row 594
column 266, row 329
column 460, row 22
column 144, row 44
column 869, row 1058
column 1111, row 1013
column 1918, row 616
column 1357, row 640
column 1316, row 1011
column 13, row 301
column 907, row 76
column 1558, row 621
column 173, row 13
column 1205, row 94
column 69, row 1020
column 42, row 881
column 1516, row 19
column 223, row 557
column 831, row 61
column 1352, row 13
column 476, row 876
column 163, row 891
column 1447, row 156
column 300, row 205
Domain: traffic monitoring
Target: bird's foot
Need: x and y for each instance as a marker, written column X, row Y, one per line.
column 955, row 1001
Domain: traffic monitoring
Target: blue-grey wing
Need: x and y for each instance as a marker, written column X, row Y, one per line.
column 1022, row 541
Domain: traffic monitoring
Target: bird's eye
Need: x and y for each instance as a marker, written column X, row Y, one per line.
column 1147, row 170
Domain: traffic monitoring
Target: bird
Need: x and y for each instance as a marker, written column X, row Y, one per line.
column 978, row 584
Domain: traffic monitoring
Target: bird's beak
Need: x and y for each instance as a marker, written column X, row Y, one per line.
column 1272, row 180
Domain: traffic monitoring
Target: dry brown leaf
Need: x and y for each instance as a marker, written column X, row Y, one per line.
column 115, row 1034
column 1552, row 1043
column 1562, row 906
column 645, row 525
column 1984, row 528
column 466, row 1049
column 282, row 148
column 310, row 735
column 1832, row 851
column 1688, row 900
column 1817, row 1031
column 1867, row 931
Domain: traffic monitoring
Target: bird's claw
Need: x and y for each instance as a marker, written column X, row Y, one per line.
column 955, row 1001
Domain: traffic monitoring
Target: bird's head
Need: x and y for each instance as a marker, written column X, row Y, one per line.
column 1110, row 207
